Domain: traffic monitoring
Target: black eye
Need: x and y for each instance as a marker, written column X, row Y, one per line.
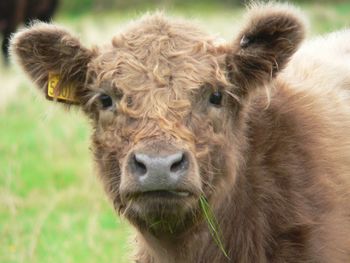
column 106, row 101
column 216, row 98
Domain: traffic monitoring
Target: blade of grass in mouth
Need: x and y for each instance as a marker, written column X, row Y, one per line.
column 213, row 225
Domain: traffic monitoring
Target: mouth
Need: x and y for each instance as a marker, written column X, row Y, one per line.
column 161, row 210
column 161, row 194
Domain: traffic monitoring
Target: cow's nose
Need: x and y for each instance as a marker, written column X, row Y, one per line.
column 155, row 172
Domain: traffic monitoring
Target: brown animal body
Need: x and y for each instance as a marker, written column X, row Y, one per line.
column 15, row 12
column 259, row 131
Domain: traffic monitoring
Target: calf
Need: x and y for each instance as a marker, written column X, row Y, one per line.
column 214, row 153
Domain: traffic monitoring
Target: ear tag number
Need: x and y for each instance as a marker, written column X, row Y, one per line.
column 66, row 93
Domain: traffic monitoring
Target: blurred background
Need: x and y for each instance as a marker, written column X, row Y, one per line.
column 52, row 206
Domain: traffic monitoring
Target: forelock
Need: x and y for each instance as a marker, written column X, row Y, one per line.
column 159, row 62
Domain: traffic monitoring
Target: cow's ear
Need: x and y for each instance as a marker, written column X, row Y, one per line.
column 262, row 49
column 54, row 60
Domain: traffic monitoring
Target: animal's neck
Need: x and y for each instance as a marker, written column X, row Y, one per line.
column 190, row 247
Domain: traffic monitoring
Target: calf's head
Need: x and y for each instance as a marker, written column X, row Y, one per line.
column 166, row 104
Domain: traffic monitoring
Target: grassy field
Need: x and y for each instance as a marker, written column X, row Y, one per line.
column 52, row 206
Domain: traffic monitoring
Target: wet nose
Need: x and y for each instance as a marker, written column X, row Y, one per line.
column 159, row 172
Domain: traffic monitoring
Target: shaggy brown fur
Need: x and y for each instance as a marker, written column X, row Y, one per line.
column 275, row 170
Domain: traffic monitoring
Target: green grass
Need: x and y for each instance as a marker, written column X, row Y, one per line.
column 52, row 206
column 212, row 223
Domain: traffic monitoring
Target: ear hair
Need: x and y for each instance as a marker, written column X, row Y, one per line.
column 272, row 35
column 43, row 48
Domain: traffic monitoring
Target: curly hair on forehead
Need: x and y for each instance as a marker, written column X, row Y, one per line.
column 163, row 79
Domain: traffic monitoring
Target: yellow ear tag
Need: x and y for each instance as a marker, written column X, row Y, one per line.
column 66, row 94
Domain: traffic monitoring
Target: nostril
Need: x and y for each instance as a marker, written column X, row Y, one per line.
column 179, row 165
column 138, row 166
